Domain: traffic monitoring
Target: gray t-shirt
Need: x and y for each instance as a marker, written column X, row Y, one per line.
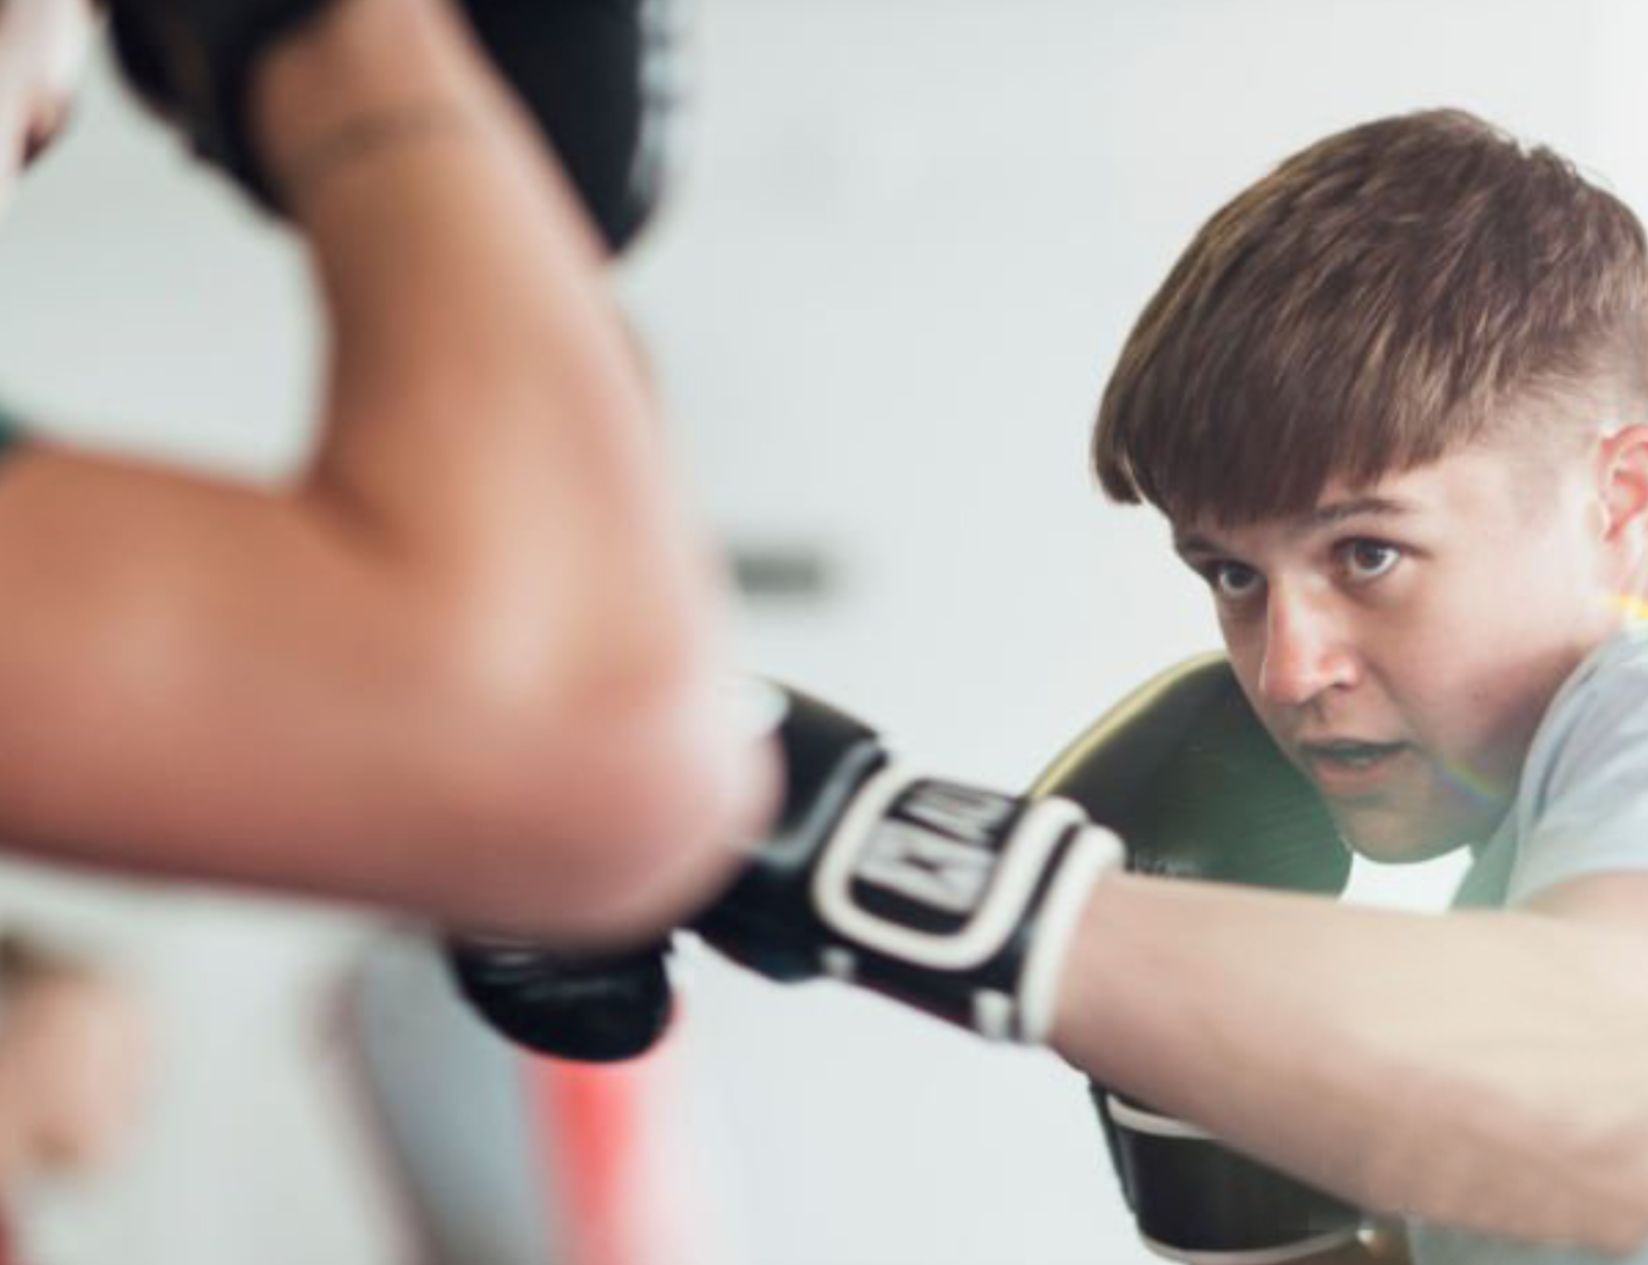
column 1581, row 808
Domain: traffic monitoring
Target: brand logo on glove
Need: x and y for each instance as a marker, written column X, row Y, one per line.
column 937, row 846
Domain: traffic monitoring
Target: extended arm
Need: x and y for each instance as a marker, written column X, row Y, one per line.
column 1479, row 1069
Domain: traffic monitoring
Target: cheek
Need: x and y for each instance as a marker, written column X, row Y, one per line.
column 1479, row 712
column 1454, row 659
column 1477, row 607
column 1245, row 646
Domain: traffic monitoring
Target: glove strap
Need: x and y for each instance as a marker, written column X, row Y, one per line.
column 958, row 900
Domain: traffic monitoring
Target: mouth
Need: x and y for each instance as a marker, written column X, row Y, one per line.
column 1347, row 765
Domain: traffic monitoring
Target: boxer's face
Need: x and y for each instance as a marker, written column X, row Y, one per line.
column 43, row 49
column 1402, row 640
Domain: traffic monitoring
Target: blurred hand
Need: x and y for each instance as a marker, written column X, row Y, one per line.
column 43, row 49
column 73, row 1066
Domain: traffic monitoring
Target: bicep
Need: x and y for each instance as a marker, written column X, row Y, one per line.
column 178, row 658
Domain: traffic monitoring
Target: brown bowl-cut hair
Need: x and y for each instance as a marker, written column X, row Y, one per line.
column 1382, row 296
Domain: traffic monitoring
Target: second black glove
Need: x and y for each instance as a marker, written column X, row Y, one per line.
column 598, row 76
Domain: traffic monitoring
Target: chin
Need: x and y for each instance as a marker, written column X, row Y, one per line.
column 1393, row 838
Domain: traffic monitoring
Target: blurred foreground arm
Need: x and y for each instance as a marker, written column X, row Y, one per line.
column 468, row 663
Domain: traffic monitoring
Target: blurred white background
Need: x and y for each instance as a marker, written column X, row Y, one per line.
column 907, row 240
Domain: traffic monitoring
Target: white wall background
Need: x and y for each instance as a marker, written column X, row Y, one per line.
column 909, row 240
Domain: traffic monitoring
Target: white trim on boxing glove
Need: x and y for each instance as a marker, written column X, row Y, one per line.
column 1023, row 861
column 992, row 890
column 1260, row 1256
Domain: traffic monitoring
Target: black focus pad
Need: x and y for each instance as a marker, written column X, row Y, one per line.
column 191, row 62
column 592, row 1009
column 1186, row 774
column 595, row 74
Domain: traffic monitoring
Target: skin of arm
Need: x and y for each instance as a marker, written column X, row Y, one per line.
column 1477, row 1069
column 469, row 664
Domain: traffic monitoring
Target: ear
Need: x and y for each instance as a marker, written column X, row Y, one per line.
column 1622, row 485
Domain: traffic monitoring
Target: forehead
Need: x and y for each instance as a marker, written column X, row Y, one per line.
column 1480, row 482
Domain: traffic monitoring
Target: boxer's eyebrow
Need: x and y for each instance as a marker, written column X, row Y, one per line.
column 1191, row 547
column 1338, row 511
column 1195, row 545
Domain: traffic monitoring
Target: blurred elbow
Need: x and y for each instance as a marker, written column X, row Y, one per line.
column 616, row 805
column 663, row 797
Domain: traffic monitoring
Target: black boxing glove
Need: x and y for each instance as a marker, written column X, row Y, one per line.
column 956, row 900
column 1187, row 775
column 596, row 75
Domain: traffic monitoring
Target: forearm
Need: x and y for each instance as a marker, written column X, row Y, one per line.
column 1481, row 1070
column 484, row 419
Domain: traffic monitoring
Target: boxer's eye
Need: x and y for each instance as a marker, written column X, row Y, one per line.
column 1364, row 560
column 1231, row 581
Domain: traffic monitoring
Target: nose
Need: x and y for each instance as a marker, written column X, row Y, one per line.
column 1307, row 649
